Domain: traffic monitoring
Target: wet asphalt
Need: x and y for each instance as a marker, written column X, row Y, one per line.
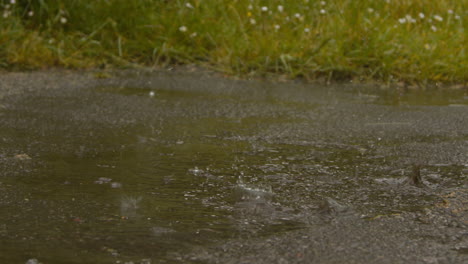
column 366, row 208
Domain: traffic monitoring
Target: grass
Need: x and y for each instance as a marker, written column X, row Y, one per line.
column 406, row 40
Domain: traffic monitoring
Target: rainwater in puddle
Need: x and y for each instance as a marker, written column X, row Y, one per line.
column 144, row 173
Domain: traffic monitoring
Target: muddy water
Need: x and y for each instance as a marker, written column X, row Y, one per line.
column 186, row 167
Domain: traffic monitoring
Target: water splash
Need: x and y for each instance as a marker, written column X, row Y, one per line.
column 129, row 206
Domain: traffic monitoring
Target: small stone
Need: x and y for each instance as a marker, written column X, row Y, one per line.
column 415, row 177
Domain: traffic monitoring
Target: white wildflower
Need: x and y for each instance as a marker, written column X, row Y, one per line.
column 457, row 17
column 450, row 11
column 250, row 7
column 183, row 29
column 421, row 15
column 370, row 10
column 6, row 14
column 323, row 11
column 306, row 30
column 252, row 21
column 297, row 15
column 323, row 3
column 438, row 18
column 402, row 20
column 12, row 2
column 31, row 13
column 194, row 34
column 188, row 5
column 433, row 28
column 280, row 8
column 264, row 8
column 277, row 27
column 410, row 19
column 63, row 20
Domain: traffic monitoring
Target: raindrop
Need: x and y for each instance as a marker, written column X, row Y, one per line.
column 196, row 171
column 116, row 185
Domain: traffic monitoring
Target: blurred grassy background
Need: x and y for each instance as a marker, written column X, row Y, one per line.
column 404, row 40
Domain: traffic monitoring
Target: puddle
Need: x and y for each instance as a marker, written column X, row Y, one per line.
column 109, row 174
